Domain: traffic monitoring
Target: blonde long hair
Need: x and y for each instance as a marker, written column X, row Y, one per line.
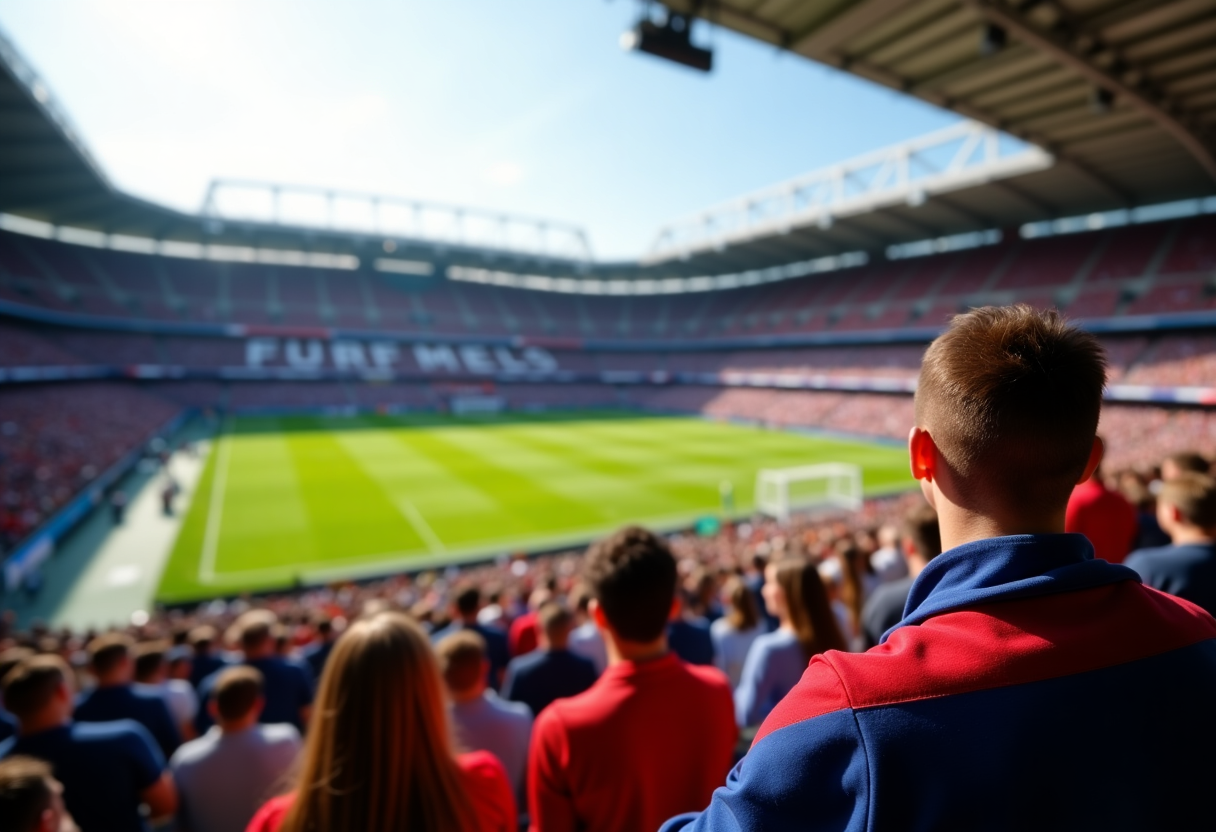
column 379, row 755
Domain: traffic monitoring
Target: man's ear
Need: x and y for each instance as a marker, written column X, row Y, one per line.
column 1095, row 459
column 213, row 709
column 597, row 614
column 676, row 606
column 922, row 454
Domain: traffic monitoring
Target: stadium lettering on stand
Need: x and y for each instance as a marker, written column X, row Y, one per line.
column 359, row 356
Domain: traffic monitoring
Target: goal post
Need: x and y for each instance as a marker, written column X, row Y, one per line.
column 780, row 491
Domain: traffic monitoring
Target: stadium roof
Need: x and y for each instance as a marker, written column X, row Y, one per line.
column 1121, row 94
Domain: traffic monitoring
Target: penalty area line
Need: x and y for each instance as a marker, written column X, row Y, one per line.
column 215, row 511
column 424, row 530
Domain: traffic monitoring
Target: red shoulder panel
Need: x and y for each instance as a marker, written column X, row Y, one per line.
column 818, row 692
column 998, row 645
column 1017, row 642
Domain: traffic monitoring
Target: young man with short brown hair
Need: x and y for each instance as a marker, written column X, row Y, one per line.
column 653, row 736
column 481, row 720
column 225, row 775
column 1029, row 686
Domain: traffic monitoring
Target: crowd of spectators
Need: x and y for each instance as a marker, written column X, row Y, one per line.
column 221, row 694
column 55, row 439
column 609, row 689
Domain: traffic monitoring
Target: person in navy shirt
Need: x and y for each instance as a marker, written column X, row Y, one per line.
column 552, row 672
column 317, row 653
column 1186, row 510
column 466, row 607
column 116, row 698
column 206, row 661
column 689, row 637
column 288, row 685
column 1025, row 671
column 9, row 659
column 107, row 769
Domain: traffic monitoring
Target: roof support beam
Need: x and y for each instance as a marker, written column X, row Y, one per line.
column 1060, row 48
column 852, row 21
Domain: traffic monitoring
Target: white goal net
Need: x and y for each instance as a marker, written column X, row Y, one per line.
column 780, row 491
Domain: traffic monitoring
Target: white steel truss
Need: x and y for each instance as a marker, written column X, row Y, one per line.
column 960, row 156
column 393, row 218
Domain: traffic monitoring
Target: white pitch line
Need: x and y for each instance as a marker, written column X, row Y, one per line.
column 215, row 511
column 423, row 528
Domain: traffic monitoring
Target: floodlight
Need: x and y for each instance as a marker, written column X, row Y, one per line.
column 992, row 39
column 671, row 40
column 1101, row 100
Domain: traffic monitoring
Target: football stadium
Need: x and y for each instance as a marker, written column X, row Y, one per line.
column 303, row 416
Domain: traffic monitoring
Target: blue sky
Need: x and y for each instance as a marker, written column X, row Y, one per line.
column 525, row 106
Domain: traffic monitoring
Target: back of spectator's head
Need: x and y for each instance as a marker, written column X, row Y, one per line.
column 150, row 661
column 202, row 638
column 462, row 661
column 12, row 657
column 744, row 612
column 254, row 631
column 921, row 531
column 180, row 662
column 30, row 798
column 1182, row 463
column 108, row 654
column 580, row 597
column 1190, row 499
column 555, row 623
column 324, row 625
column 1011, row 396
column 468, row 600
column 237, row 692
column 33, row 684
column 632, row 575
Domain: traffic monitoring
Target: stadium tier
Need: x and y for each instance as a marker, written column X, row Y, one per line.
column 1152, row 269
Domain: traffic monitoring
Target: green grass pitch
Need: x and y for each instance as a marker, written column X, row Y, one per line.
column 310, row 499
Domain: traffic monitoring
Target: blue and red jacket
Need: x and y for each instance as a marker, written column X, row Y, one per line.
column 1029, row 686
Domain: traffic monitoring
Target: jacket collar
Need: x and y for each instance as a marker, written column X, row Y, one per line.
column 1006, row 568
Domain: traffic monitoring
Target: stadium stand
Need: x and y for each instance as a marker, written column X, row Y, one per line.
column 56, row 439
column 1158, row 268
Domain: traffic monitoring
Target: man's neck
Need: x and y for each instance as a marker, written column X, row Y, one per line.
column 470, row 695
column 632, row 651
column 1188, row 535
column 112, row 683
column 237, row 726
column 43, row 722
column 959, row 525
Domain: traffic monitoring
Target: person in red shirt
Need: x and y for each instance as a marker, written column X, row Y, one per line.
column 653, row 736
column 1105, row 517
column 379, row 754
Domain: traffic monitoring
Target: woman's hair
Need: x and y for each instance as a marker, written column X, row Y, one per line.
column 378, row 755
column 852, row 591
column 807, row 602
column 743, row 614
